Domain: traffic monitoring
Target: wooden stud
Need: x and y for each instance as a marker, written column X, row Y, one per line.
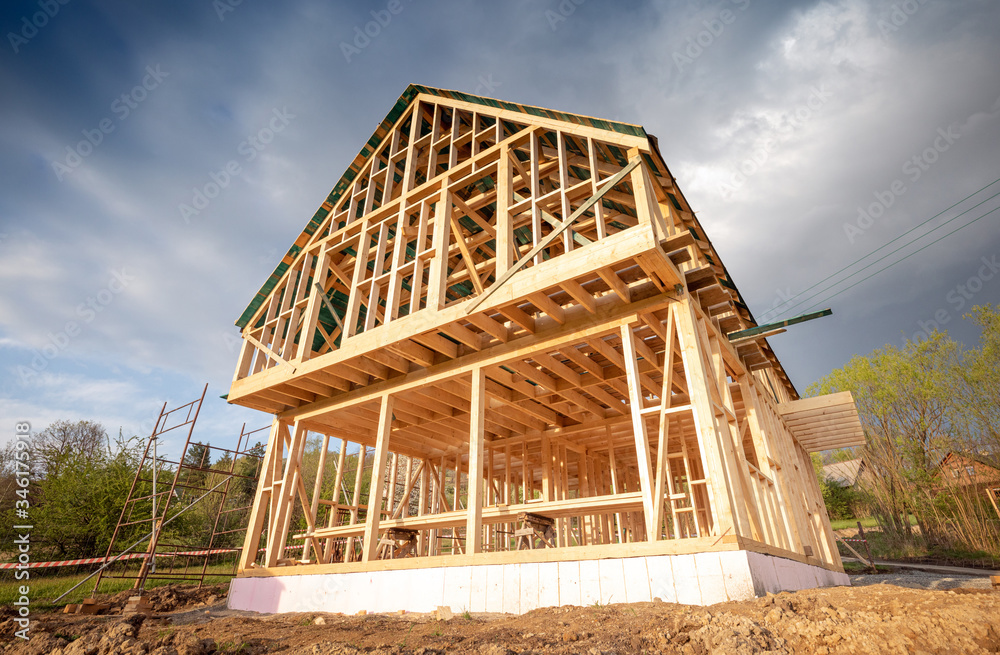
column 477, row 423
column 370, row 544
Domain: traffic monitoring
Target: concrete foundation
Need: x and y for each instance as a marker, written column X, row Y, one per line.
column 698, row 579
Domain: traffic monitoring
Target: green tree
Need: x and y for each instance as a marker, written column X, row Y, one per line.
column 978, row 393
column 198, row 456
column 905, row 400
column 81, row 483
column 248, row 471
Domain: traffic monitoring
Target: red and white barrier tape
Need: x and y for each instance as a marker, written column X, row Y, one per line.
column 101, row 560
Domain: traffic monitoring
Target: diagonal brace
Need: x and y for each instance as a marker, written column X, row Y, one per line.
column 554, row 234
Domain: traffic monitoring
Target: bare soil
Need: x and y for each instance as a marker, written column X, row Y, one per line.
column 879, row 618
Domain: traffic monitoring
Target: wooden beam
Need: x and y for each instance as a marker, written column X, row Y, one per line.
column 477, row 425
column 375, row 489
column 639, row 430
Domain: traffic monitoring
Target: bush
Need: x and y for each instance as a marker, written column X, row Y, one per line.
column 841, row 500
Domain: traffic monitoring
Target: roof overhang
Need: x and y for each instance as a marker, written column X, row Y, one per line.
column 824, row 422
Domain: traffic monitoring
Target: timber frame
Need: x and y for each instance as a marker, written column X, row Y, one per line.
column 488, row 360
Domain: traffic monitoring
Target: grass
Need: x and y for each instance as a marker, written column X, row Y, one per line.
column 858, row 567
column 407, row 637
column 844, row 524
column 964, row 556
column 866, row 522
column 63, row 635
column 915, row 548
column 44, row 588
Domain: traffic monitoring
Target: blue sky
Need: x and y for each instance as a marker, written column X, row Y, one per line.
column 782, row 121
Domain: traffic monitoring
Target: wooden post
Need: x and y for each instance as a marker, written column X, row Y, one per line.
column 317, row 488
column 704, row 419
column 547, row 491
column 358, row 474
column 425, row 476
column 505, row 230
column 335, row 508
column 375, row 489
column 313, row 305
column 868, row 548
column 276, row 541
column 477, row 433
column 639, row 430
column 439, row 264
column 261, row 498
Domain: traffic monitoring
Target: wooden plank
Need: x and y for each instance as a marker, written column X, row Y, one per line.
column 639, row 430
column 491, row 327
column 704, row 416
column 282, row 516
column 540, row 300
column 580, row 295
column 477, row 425
column 373, row 518
column 261, row 501
column 470, row 263
column 504, row 230
column 439, row 264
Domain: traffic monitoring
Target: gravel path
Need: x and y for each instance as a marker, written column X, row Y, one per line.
column 922, row 580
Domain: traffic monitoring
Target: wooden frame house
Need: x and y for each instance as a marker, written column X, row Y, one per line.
column 512, row 318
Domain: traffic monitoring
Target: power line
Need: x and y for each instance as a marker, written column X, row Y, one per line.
column 883, row 257
column 905, row 257
column 788, row 300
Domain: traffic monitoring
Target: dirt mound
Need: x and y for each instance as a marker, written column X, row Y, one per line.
column 172, row 598
column 118, row 637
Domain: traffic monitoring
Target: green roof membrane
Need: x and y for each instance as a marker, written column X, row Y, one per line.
column 376, row 138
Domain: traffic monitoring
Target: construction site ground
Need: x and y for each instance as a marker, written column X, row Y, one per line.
column 898, row 612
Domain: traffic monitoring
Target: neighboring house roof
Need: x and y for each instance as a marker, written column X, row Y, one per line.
column 951, row 455
column 845, row 473
column 953, row 459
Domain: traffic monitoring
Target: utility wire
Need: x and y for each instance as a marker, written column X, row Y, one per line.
column 788, row 300
column 883, row 257
column 905, row 257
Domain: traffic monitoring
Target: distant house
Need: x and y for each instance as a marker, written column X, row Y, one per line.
column 959, row 470
column 846, row 473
